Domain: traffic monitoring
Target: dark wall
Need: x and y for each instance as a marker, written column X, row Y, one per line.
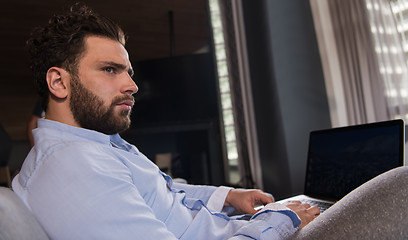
column 176, row 112
column 146, row 23
column 288, row 88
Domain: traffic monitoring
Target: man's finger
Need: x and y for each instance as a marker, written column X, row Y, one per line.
column 314, row 210
column 293, row 202
column 265, row 199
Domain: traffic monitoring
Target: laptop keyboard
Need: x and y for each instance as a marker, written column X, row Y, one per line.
column 323, row 206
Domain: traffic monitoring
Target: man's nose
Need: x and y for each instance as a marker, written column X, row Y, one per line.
column 130, row 87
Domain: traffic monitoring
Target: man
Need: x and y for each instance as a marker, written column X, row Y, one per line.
column 82, row 181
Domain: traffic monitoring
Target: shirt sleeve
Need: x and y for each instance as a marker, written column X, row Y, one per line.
column 196, row 191
column 274, row 221
column 212, row 197
column 100, row 201
column 91, row 201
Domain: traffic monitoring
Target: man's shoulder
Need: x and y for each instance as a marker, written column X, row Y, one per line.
column 69, row 158
column 73, row 150
column 59, row 132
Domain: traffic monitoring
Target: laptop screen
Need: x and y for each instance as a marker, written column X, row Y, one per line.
column 341, row 159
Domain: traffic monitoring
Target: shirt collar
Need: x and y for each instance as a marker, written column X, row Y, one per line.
column 118, row 142
column 62, row 128
column 83, row 133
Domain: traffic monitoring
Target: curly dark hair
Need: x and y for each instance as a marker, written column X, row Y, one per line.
column 62, row 41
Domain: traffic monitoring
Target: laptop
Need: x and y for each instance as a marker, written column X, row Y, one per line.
column 341, row 159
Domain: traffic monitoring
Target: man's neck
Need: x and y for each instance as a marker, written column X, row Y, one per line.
column 60, row 112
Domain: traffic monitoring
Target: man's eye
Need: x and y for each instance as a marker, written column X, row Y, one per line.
column 109, row 69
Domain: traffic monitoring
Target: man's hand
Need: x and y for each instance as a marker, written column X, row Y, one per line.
column 305, row 212
column 244, row 200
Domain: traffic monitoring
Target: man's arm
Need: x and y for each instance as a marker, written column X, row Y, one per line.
column 73, row 199
column 242, row 200
column 81, row 195
column 201, row 192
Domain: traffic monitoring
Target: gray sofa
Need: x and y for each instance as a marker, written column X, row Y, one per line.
column 16, row 221
column 376, row 210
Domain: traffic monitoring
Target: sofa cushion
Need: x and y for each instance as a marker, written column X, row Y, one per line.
column 16, row 221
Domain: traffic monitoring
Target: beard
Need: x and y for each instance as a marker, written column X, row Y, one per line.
column 90, row 112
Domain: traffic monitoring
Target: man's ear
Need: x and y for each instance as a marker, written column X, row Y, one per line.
column 57, row 80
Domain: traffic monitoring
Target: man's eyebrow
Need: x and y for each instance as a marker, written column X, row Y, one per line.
column 120, row 66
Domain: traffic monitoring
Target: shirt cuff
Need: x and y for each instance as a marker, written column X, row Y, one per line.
column 277, row 207
column 217, row 199
column 274, row 221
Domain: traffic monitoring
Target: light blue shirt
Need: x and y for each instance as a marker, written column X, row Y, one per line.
column 82, row 184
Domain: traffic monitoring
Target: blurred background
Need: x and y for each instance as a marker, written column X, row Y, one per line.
column 229, row 90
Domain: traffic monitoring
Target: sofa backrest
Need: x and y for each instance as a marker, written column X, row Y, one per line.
column 16, row 221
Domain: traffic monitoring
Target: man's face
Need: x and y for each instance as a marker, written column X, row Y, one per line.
column 101, row 93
